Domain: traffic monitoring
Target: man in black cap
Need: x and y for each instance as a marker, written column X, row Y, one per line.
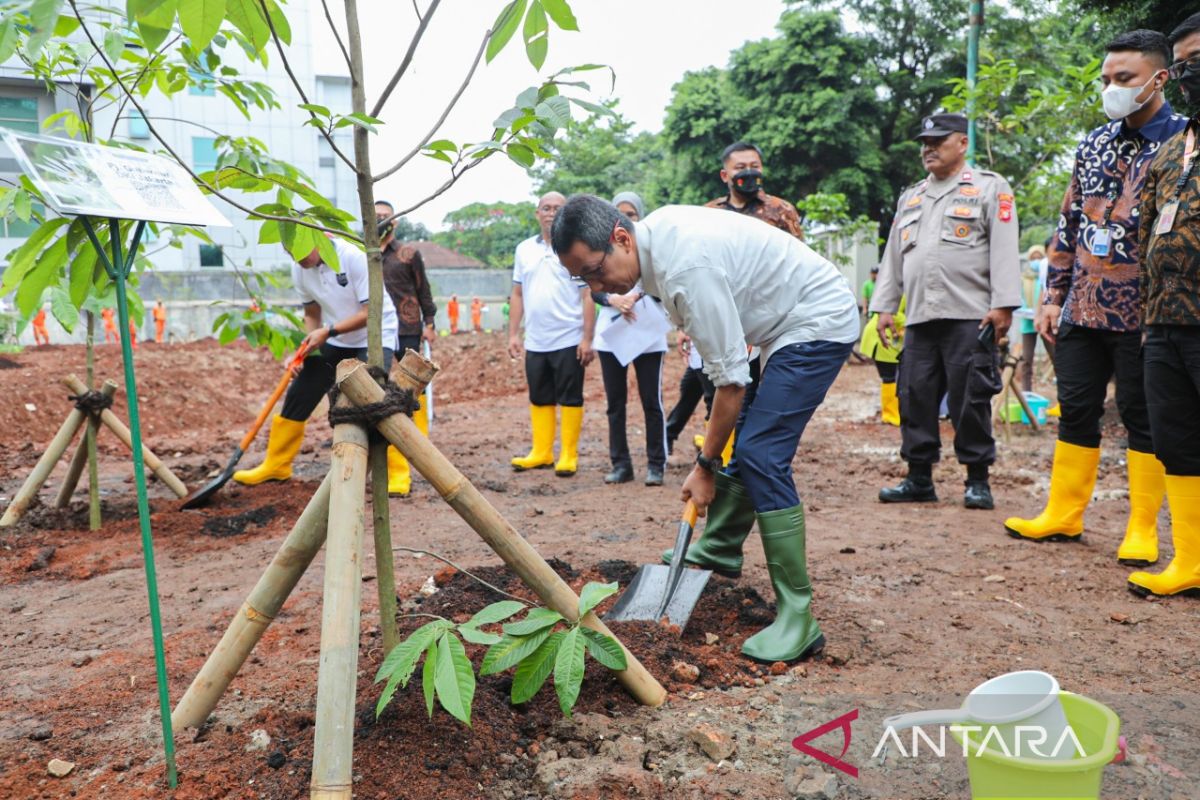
column 952, row 251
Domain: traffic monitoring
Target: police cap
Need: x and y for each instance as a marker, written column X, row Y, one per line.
column 937, row 125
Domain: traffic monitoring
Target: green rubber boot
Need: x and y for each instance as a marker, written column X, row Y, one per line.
column 794, row 634
column 730, row 518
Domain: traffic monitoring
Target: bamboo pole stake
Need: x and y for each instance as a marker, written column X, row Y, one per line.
column 256, row 614
column 80, row 459
column 45, row 465
column 93, row 429
column 337, row 676
column 357, row 384
column 114, row 424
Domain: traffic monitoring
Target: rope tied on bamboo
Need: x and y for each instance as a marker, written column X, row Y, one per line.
column 395, row 401
column 91, row 402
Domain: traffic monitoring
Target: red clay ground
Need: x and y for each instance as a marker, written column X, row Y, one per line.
column 919, row 605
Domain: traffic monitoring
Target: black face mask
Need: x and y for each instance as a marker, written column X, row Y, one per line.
column 1189, row 83
column 747, row 182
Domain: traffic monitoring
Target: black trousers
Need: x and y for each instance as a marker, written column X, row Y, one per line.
column 408, row 343
column 693, row 386
column 1085, row 360
column 648, row 369
column 945, row 358
column 317, row 376
column 1172, row 372
column 555, row 378
column 1028, row 348
column 887, row 371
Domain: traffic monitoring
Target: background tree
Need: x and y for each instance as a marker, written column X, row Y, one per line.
column 489, row 232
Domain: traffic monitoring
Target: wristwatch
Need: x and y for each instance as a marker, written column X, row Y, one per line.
column 712, row 465
column 332, row 328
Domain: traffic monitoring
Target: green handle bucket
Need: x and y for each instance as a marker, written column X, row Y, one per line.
column 996, row 776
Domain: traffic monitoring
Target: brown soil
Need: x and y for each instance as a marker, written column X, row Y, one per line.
column 919, row 605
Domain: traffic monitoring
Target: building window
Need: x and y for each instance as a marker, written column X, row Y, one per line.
column 138, row 129
column 205, row 86
column 19, row 113
column 204, row 153
column 211, row 255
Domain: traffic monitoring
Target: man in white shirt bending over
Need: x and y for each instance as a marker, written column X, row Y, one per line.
column 560, row 318
column 729, row 281
column 335, row 315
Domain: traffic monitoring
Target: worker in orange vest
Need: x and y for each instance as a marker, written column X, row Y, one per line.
column 132, row 333
column 477, row 315
column 110, row 327
column 452, row 312
column 40, row 336
column 160, row 321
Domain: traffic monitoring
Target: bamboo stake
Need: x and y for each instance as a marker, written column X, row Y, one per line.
column 257, row 613
column 357, row 384
column 45, row 465
column 80, row 459
column 337, row 676
column 93, row 428
column 114, row 424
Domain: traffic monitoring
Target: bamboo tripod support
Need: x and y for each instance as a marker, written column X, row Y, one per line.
column 358, row 385
column 58, row 447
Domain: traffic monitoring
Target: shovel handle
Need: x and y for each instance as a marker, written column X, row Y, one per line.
column 690, row 513
column 274, row 398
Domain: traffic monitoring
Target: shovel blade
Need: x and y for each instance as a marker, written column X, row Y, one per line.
column 641, row 601
column 201, row 496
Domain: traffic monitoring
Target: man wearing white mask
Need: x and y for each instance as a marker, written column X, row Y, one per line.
column 1092, row 306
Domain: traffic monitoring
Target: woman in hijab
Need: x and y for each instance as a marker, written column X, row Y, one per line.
column 632, row 328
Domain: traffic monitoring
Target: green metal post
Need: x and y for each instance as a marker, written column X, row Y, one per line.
column 976, row 23
column 118, row 269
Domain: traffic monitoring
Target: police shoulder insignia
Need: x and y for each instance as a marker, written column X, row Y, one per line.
column 962, row 211
column 967, row 176
column 1005, row 209
column 915, row 200
column 904, row 235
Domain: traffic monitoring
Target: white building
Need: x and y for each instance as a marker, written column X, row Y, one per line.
column 191, row 121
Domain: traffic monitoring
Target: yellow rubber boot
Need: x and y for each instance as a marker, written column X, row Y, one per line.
column 399, row 473
column 1147, row 484
column 1072, row 479
column 727, row 453
column 1054, row 411
column 1183, row 573
column 698, row 441
column 568, row 454
column 541, row 419
column 889, row 404
column 421, row 416
column 282, row 446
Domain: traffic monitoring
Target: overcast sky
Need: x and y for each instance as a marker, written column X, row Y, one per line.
column 649, row 43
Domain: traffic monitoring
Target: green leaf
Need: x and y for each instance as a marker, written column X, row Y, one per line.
column 442, row 144
column 282, row 29
column 439, row 155
column 454, row 679
column 593, row 594
column 83, row 268
column 302, row 241
column 496, row 612
column 400, row 664
column 200, row 20
column 605, row 649
column 476, row 636
column 592, row 107
column 228, row 334
column 561, row 13
column 504, row 27
column 247, row 17
column 63, row 310
column 510, row 650
column 268, row 233
column 43, row 15
column 8, row 39
column 23, row 206
column 114, row 44
column 521, row 154
column 320, row 111
column 23, row 259
column 154, row 25
column 535, row 620
column 326, row 249
column 428, row 675
column 536, row 34
column 532, row 672
column 45, row 272
column 568, row 670
column 555, row 111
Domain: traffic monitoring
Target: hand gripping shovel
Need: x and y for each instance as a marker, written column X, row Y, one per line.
column 658, row 590
column 205, row 493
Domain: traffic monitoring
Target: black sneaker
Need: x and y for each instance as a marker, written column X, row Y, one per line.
column 654, row 476
column 622, row 473
column 978, row 495
column 909, row 491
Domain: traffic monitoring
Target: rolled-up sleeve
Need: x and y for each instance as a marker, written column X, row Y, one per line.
column 703, row 301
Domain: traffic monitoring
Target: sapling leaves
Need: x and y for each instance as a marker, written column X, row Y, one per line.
column 511, row 650
column 454, row 678
column 593, row 594
column 605, row 649
column 535, row 620
column 568, row 670
column 427, row 676
column 533, row 671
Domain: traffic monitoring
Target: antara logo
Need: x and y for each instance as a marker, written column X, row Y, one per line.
column 801, row 743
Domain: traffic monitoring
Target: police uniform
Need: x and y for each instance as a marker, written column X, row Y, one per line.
column 953, row 252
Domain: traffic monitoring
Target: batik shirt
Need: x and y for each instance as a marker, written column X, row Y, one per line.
column 767, row 207
column 1170, row 277
column 1102, row 291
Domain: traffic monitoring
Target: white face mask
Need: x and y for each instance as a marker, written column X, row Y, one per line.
column 1121, row 101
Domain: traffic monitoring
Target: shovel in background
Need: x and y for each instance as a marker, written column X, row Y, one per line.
column 658, row 590
column 205, row 493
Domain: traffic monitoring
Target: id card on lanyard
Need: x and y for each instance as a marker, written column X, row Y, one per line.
column 1166, row 217
column 1101, row 243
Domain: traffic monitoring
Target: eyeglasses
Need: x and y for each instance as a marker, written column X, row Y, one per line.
column 1175, row 71
column 594, row 272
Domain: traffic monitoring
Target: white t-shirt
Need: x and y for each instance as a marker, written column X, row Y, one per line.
column 322, row 286
column 553, row 308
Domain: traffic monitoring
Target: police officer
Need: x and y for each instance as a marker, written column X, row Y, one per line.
column 952, row 251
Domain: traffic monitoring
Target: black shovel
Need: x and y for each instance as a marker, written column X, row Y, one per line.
column 658, row 590
column 202, row 495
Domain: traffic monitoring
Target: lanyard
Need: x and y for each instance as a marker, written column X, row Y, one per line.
column 1189, row 163
column 1114, row 191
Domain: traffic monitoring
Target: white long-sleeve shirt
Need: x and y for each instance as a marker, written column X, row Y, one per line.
column 731, row 281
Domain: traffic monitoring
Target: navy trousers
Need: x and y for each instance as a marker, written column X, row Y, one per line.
column 774, row 414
